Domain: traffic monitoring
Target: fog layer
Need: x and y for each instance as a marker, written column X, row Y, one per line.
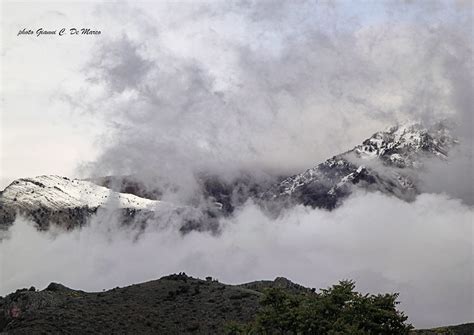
column 422, row 250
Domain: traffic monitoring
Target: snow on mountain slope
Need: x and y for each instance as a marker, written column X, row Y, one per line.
column 66, row 202
column 404, row 144
column 387, row 161
column 55, row 192
column 71, row 203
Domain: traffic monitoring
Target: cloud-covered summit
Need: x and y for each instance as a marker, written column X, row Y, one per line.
column 269, row 87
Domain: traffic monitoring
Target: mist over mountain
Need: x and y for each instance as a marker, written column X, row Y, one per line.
column 245, row 140
column 391, row 162
column 358, row 206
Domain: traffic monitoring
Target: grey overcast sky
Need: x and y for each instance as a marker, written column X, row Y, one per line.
column 364, row 72
column 40, row 134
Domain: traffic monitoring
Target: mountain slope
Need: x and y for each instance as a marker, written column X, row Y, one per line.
column 71, row 203
column 387, row 161
column 175, row 304
column 62, row 201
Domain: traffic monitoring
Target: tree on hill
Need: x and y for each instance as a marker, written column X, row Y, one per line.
column 338, row 310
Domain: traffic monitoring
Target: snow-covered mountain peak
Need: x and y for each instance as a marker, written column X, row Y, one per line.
column 405, row 143
column 384, row 162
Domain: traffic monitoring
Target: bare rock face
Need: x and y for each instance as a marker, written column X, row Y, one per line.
column 388, row 162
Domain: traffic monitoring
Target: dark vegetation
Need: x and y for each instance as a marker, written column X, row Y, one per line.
column 337, row 310
column 179, row 304
column 176, row 304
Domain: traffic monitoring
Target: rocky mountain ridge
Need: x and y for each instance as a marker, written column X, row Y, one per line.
column 387, row 162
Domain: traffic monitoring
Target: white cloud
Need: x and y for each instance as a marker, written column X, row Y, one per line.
column 422, row 250
column 218, row 86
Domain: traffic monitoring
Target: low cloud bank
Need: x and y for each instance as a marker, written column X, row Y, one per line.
column 421, row 249
column 451, row 176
